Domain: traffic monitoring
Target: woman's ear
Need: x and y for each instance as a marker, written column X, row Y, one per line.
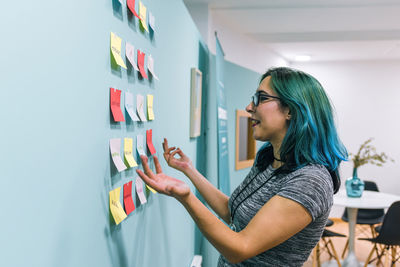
column 288, row 113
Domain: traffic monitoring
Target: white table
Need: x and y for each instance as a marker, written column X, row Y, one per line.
column 369, row 200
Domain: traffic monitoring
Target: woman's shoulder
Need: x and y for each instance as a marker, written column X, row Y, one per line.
column 313, row 170
column 311, row 173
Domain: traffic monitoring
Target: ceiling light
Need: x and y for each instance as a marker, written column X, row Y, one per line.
column 302, row 58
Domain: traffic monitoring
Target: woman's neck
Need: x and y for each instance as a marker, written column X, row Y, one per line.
column 277, row 155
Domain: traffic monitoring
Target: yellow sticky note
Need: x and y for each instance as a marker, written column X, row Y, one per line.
column 151, row 189
column 117, row 211
column 128, row 148
column 143, row 15
column 116, row 42
column 150, row 112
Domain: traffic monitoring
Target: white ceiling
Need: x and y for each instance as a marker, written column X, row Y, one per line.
column 325, row 30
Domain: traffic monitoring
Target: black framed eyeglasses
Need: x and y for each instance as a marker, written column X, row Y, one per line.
column 261, row 96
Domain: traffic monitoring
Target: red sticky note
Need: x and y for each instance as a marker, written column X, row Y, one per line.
column 140, row 59
column 149, row 141
column 128, row 201
column 131, row 6
column 115, row 104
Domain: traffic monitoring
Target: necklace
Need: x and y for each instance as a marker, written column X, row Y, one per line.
column 277, row 159
column 232, row 225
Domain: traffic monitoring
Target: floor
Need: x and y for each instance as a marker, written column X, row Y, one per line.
column 362, row 247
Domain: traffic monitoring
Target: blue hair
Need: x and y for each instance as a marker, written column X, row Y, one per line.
column 311, row 136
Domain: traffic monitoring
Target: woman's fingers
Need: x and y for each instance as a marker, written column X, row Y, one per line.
column 165, row 144
column 172, row 155
column 168, row 150
column 180, row 153
column 146, row 167
column 148, row 180
column 157, row 164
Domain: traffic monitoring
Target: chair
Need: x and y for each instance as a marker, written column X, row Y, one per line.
column 389, row 236
column 326, row 244
column 368, row 217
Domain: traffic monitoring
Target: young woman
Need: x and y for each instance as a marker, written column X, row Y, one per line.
column 278, row 213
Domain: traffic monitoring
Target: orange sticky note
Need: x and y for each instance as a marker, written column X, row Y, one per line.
column 140, row 59
column 149, row 141
column 128, row 201
column 115, row 104
column 131, row 6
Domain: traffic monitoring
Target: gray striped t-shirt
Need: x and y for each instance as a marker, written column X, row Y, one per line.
column 311, row 186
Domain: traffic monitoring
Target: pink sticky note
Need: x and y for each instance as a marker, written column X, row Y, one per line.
column 139, row 190
column 149, row 141
column 128, row 201
column 140, row 59
column 131, row 6
column 115, row 104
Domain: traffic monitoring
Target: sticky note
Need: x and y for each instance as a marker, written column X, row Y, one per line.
column 115, row 147
column 115, row 104
column 116, row 49
column 151, row 189
column 140, row 59
column 129, row 53
column 128, row 147
column 150, row 112
column 140, row 107
column 143, row 15
column 131, row 7
column 149, row 141
column 139, row 190
column 150, row 66
column 128, row 200
column 117, row 211
column 129, row 106
column 140, row 145
column 152, row 21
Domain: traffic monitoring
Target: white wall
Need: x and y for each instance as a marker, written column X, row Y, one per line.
column 238, row 48
column 241, row 49
column 366, row 95
column 200, row 16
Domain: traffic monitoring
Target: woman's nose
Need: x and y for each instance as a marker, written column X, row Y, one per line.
column 250, row 107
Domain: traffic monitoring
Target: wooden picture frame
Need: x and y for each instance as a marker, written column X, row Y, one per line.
column 195, row 102
column 245, row 143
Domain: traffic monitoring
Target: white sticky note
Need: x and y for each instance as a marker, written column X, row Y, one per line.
column 152, row 21
column 130, row 54
column 129, row 106
column 115, row 147
column 140, row 145
column 140, row 107
column 150, row 66
column 139, row 190
column 197, row 260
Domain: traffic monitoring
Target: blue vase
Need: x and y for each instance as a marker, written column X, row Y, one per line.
column 354, row 185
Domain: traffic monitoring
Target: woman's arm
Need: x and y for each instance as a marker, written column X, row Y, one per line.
column 278, row 220
column 217, row 200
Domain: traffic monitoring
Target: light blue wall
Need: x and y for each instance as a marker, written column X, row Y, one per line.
column 56, row 170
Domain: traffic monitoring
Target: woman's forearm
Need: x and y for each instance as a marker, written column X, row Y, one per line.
column 217, row 200
column 226, row 241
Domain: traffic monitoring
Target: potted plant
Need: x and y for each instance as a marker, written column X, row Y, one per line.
column 366, row 154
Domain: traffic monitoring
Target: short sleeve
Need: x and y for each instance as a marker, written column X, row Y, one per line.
column 312, row 187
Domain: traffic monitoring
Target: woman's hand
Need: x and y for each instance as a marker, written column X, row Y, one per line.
column 162, row 183
column 182, row 164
